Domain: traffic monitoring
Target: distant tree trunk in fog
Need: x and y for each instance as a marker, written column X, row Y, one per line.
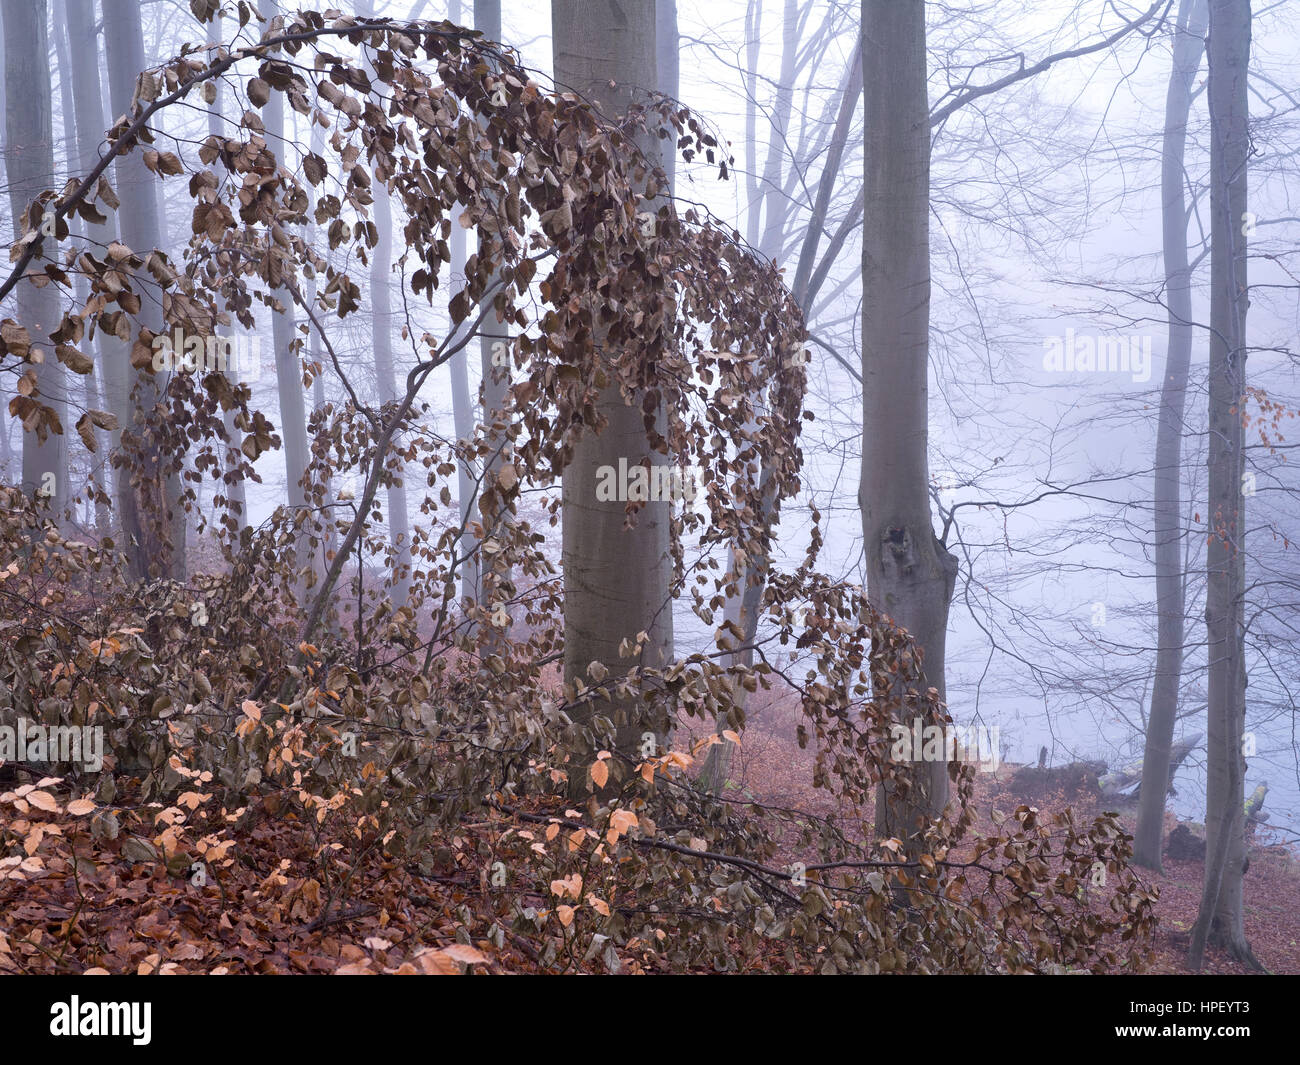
column 743, row 610
column 462, row 408
column 153, row 524
column 777, row 207
column 381, row 301
column 1189, row 45
column 770, row 210
column 316, row 353
column 801, row 287
column 234, row 487
column 1221, row 918
column 669, row 63
column 910, row 574
column 29, row 162
column 112, row 355
column 97, row 461
column 754, row 191
column 381, row 306
column 616, row 581
column 288, row 363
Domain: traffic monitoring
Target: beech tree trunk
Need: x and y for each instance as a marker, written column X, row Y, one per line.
column 616, row 581
column 111, row 353
column 462, row 408
column 668, row 60
column 910, row 574
column 233, row 490
column 382, row 320
column 324, row 554
column 96, row 462
column 1220, row 920
column 1189, row 45
column 288, row 363
column 29, row 161
column 153, row 525
column 495, row 375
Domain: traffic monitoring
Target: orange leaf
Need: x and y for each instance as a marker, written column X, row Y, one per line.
column 43, row 800
column 465, row 954
column 619, row 823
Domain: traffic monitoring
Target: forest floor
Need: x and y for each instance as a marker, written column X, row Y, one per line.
column 771, row 768
column 113, row 909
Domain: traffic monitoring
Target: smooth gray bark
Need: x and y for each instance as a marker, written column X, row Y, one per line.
column 29, row 162
column 1189, row 45
column 382, row 321
column 495, row 377
column 1220, row 920
column 88, row 103
column 154, row 512
column 616, row 581
column 234, row 490
column 462, row 409
column 288, row 363
column 669, row 64
column 910, row 574
column 97, row 461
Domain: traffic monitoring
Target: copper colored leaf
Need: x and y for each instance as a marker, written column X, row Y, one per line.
column 465, row 954
column 43, row 800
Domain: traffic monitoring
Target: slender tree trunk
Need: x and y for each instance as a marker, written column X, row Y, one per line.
column 29, row 161
column 769, row 210
column 742, row 610
column 153, row 527
column 495, row 365
column 776, row 208
column 910, row 574
column 616, row 581
column 288, row 364
column 753, row 190
column 111, row 353
column 234, row 490
column 1221, row 918
column 381, row 305
column 97, row 462
column 462, row 408
column 1189, row 45
column 316, row 353
column 668, row 61
column 381, row 301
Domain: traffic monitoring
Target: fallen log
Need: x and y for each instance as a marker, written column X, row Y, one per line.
column 1127, row 782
